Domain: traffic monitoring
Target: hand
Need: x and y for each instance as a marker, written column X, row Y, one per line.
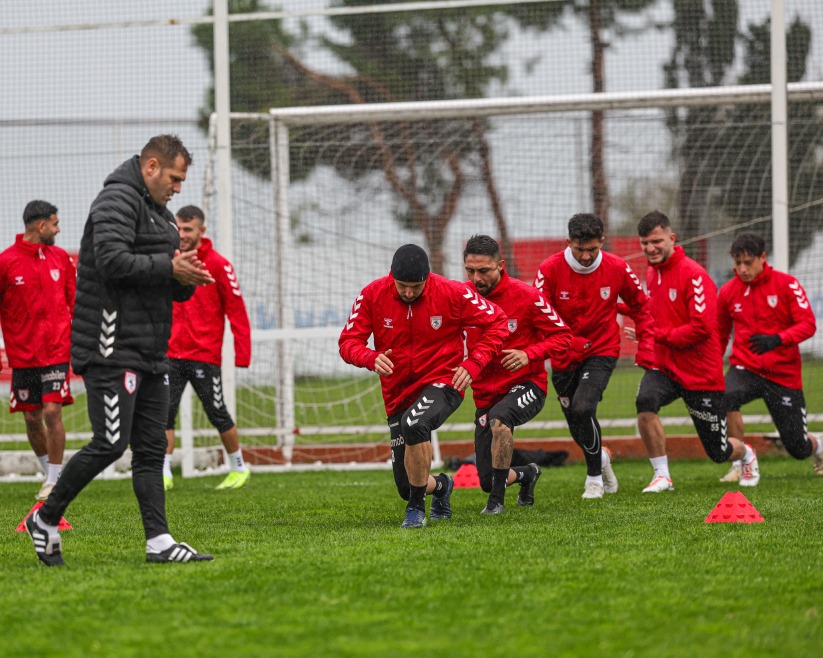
column 630, row 333
column 383, row 365
column 514, row 359
column 762, row 343
column 461, row 379
column 190, row 270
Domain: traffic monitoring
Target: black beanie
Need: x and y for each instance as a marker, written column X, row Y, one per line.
column 410, row 263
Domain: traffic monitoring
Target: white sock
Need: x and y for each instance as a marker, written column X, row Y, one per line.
column 236, row 461
column 738, row 463
column 53, row 472
column 661, row 466
column 167, row 466
column 160, row 543
column 749, row 455
column 605, row 460
column 596, row 479
column 44, row 462
column 819, row 450
column 51, row 528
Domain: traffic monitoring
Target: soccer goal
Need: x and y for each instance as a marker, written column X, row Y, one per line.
column 323, row 196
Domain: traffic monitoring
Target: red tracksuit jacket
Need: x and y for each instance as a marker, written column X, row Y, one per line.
column 533, row 327
column 37, row 284
column 773, row 303
column 684, row 307
column 198, row 324
column 588, row 304
column 425, row 337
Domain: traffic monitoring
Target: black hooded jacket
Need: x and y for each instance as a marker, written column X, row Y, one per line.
column 125, row 287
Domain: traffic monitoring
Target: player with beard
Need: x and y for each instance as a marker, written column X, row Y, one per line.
column 511, row 389
column 688, row 360
column 417, row 319
column 37, row 284
column 196, row 346
column 770, row 315
column 584, row 284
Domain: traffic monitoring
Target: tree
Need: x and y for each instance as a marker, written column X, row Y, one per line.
column 724, row 154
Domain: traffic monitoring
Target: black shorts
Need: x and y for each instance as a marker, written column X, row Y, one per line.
column 787, row 407
column 590, row 379
column 706, row 408
column 31, row 387
column 207, row 381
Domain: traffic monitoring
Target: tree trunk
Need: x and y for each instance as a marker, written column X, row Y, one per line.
column 600, row 184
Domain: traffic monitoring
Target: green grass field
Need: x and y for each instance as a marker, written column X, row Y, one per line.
column 315, row 564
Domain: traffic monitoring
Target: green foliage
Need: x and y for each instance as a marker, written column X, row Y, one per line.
column 316, row 565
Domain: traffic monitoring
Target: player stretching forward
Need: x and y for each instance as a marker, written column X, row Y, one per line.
column 511, row 389
column 688, row 358
column 770, row 314
column 196, row 345
column 583, row 283
column 417, row 320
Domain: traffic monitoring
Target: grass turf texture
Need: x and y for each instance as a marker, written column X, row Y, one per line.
column 315, row 564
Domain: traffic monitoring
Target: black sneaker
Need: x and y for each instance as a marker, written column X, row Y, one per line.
column 441, row 505
column 48, row 547
column 526, row 497
column 492, row 508
column 415, row 518
column 178, row 553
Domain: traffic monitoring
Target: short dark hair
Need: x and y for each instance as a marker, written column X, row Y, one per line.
column 38, row 210
column 748, row 244
column 651, row 221
column 585, row 226
column 482, row 245
column 165, row 148
column 188, row 213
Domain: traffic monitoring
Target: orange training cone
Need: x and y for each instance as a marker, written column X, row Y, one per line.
column 63, row 525
column 734, row 507
column 466, row 477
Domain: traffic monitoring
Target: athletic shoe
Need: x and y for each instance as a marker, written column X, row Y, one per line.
column 609, row 478
column 593, row 490
column 178, row 553
column 235, row 480
column 168, row 482
column 750, row 473
column 45, row 490
column 526, row 496
column 493, row 508
column 48, row 547
column 818, row 463
column 441, row 505
column 658, row 484
column 733, row 475
column 415, row 518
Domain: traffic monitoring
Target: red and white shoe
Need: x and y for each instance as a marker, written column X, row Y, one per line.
column 750, row 472
column 658, row 484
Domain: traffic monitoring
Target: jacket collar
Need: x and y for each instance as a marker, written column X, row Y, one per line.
column 29, row 248
column 764, row 276
column 205, row 248
column 674, row 258
column 502, row 285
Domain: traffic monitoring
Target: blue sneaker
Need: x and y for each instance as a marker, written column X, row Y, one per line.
column 441, row 505
column 415, row 518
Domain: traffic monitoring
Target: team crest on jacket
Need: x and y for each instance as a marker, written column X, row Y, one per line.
column 512, row 325
column 605, row 292
column 436, row 321
column 772, row 300
column 55, row 274
column 672, row 293
column 130, row 381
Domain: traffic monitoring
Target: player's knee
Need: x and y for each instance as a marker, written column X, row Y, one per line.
column 799, row 449
column 646, row 403
column 415, row 433
column 583, row 408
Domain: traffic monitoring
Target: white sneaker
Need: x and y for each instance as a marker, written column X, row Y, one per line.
column 658, row 484
column 750, row 473
column 609, row 478
column 733, row 475
column 45, row 490
column 818, row 463
column 593, row 490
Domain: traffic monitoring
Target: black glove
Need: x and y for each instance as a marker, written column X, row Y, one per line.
column 761, row 343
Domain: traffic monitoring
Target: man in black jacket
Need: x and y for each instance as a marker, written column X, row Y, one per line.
column 130, row 271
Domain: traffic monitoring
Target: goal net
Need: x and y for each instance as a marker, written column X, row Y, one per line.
column 323, row 196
